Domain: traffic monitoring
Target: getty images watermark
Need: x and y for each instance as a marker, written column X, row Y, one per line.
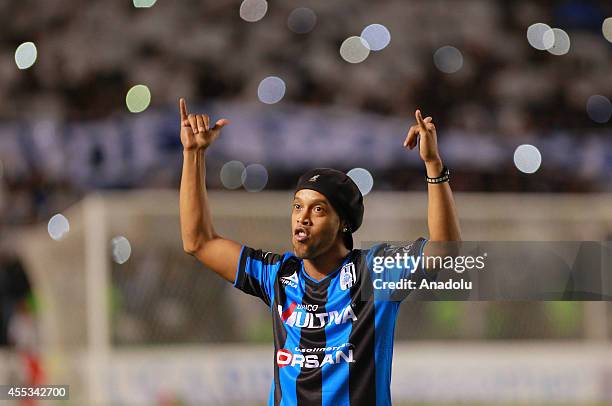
column 489, row 270
column 401, row 269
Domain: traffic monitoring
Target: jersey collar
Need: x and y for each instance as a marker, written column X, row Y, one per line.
column 327, row 277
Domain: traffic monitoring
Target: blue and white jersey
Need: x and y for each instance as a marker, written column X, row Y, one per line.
column 333, row 338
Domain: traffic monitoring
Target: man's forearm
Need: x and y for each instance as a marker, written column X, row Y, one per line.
column 199, row 238
column 196, row 220
column 442, row 217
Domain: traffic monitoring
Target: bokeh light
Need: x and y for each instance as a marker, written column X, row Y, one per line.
column 354, row 49
column 536, row 38
column 448, row 59
column 599, row 108
column 362, row 178
column 254, row 178
column 25, row 55
column 377, row 36
column 527, row 158
column 561, row 41
column 606, row 29
column 301, row 20
column 121, row 249
column 271, row 90
column 138, row 98
column 231, row 174
column 144, row 3
column 58, row 227
column 253, row 10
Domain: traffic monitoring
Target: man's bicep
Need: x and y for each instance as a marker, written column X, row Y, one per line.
column 221, row 256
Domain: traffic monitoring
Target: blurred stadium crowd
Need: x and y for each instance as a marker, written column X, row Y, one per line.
column 91, row 53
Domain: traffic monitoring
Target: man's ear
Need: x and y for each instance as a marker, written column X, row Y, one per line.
column 345, row 228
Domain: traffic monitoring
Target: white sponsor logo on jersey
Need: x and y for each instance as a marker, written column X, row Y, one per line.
column 285, row 358
column 290, row 280
column 315, row 320
column 308, row 307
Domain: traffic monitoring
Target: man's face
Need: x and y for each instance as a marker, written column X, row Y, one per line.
column 314, row 224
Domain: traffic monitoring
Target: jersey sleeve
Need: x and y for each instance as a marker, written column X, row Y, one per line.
column 396, row 269
column 256, row 272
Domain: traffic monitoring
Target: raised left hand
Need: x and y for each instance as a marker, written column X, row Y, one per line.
column 424, row 134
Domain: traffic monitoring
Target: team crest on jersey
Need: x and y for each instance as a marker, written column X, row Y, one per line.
column 347, row 276
column 290, row 280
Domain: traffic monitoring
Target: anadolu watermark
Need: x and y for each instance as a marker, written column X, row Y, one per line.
column 397, row 271
column 489, row 270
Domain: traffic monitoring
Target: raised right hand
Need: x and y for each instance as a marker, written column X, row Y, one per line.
column 196, row 133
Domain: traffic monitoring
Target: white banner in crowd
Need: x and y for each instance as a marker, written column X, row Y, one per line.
column 120, row 150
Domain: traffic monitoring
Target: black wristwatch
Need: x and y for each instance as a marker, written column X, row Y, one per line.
column 444, row 176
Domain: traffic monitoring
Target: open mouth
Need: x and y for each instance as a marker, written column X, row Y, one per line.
column 300, row 234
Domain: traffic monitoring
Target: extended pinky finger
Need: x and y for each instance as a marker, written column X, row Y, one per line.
column 410, row 140
column 407, row 139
